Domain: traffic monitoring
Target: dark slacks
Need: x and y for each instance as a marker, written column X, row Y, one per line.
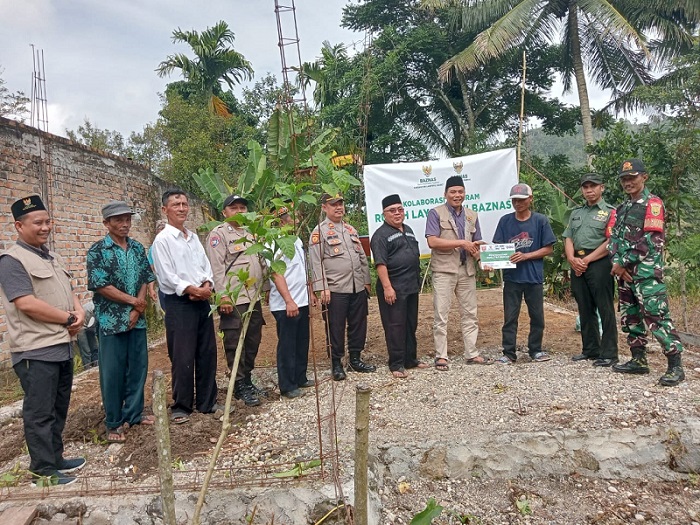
column 292, row 348
column 594, row 289
column 189, row 330
column 400, row 321
column 87, row 344
column 346, row 309
column 513, row 294
column 47, row 388
column 123, row 370
column 232, row 327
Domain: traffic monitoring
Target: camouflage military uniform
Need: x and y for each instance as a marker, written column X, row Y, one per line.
column 636, row 244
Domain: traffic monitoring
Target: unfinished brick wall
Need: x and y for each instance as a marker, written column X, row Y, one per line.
column 74, row 182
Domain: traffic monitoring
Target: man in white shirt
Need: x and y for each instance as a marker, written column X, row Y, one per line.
column 186, row 280
column 289, row 304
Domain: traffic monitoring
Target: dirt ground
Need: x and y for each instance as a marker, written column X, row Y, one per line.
column 85, row 426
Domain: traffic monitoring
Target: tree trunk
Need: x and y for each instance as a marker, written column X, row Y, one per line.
column 584, row 103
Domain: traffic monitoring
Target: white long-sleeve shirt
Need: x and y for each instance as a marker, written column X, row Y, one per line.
column 180, row 261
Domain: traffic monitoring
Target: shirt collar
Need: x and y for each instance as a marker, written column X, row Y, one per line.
column 41, row 252
column 109, row 242
column 173, row 231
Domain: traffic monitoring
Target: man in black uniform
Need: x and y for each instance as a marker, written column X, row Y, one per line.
column 397, row 257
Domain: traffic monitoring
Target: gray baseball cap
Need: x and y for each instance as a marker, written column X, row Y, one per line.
column 114, row 208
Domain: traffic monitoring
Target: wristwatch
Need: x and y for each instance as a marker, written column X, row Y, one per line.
column 71, row 319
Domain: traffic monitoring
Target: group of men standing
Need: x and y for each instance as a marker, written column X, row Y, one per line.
column 44, row 314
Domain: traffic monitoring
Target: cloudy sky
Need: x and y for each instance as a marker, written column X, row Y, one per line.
column 100, row 56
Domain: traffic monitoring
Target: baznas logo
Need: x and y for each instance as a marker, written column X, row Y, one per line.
column 458, row 167
column 427, row 170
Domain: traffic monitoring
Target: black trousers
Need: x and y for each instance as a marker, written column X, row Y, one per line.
column 292, row 348
column 513, row 294
column 189, row 330
column 346, row 309
column 47, row 387
column 232, row 327
column 400, row 321
column 594, row 289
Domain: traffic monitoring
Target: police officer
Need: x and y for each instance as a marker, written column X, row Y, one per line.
column 586, row 248
column 43, row 315
column 397, row 257
column 636, row 247
column 226, row 245
column 341, row 274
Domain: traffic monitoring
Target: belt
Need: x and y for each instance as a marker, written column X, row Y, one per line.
column 584, row 252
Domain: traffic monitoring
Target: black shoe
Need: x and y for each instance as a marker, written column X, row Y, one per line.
column 246, row 394
column 257, row 392
column 308, row 384
column 605, row 362
column 55, row 479
column 293, row 394
column 672, row 377
column 338, row 371
column 356, row 364
column 71, row 465
column 583, row 357
column 633, row 366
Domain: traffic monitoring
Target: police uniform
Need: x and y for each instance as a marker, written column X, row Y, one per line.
column 636, row 244
column 226, row 252
column 588, row 228
column 339, row 264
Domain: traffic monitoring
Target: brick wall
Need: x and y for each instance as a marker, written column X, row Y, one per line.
column 74, row 182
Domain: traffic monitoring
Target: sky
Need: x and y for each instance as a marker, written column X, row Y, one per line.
column 100, row 56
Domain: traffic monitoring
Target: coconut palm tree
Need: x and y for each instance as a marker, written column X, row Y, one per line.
column 215, row 61
column 609, row 39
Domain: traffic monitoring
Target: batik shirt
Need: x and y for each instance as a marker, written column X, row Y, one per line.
column 637, row 240
column 127, row 270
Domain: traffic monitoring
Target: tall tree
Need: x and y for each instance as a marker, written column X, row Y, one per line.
column 608, row 38
column 215, row 61
column 13, row 105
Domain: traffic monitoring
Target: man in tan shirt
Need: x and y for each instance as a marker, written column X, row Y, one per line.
column 341, row 273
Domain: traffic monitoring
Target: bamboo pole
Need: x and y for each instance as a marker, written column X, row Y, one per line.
column 162, row 428
column 522, row 114
column 361, row 452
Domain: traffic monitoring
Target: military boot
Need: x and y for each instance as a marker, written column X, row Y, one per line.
column 246, row 394
column 674, row 374
column 358, row 365
column 637, row 365
column 338, row 370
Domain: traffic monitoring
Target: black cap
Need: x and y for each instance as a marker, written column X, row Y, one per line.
column 27, row 205
column 327, row 198
column 391, row 199
column 455, row 180
column 632, row 167
column 595, row 178
column 234, row 198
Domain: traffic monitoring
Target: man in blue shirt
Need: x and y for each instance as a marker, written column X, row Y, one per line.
column 533, row 238
column 119, row 273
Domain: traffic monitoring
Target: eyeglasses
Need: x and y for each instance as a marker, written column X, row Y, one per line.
column 394, row 210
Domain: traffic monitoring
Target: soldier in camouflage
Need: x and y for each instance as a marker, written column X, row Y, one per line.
column 636, row 248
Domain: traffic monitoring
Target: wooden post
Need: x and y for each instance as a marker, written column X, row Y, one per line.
column 361, row 452
column 165, row 467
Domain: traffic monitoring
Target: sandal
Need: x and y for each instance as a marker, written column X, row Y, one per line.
column 116, row 435
column 179, row 418
column 148, row 420
column 480, row 360
column 441, row 364
column 400, row 373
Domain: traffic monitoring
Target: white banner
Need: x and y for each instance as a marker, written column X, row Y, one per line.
column 488, row 178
